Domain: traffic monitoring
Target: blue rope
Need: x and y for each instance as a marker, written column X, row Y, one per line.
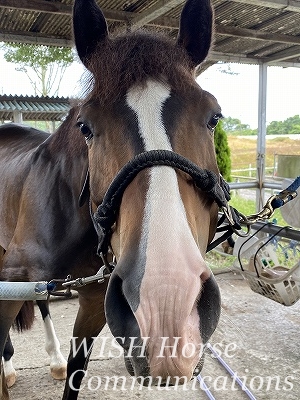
column 205, row 388
column 278, row 202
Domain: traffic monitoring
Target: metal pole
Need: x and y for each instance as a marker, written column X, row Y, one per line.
column 23, row 290
column 261, row 137
column 271, row 229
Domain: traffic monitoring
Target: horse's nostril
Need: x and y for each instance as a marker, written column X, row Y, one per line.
column 165, row 383
column 128, row 364
column 209, row 308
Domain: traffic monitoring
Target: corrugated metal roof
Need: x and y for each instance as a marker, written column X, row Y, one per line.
column 246, row 30
column 34, row 108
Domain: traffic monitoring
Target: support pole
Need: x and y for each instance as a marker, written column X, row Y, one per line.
column 18, row 118
column 261, row 137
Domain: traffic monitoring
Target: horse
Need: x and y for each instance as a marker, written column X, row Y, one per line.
column 58, row 364
column 132, row 171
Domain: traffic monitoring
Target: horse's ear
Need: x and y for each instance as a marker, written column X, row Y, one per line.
column 195, row 29
column 89, row 27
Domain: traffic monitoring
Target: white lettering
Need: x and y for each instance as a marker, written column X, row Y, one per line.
column 163, row 346
column 72, row 377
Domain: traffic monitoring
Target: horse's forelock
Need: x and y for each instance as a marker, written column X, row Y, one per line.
column 119, row 63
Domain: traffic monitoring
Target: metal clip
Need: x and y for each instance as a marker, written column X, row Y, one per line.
column 98, row 277
column 243, row 220
column 52, row 287
column 264, row 214
column 286, row 196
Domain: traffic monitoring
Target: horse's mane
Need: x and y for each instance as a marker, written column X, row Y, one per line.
column 130, row 59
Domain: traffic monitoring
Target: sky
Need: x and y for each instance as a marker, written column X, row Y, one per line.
column 236, row 92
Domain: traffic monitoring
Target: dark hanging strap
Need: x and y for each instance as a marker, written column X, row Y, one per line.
column 228, row 229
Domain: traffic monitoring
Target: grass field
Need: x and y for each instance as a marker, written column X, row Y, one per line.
column 243, row 153
column 243, row 150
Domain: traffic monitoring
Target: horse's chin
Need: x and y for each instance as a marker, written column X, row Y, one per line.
column 139, row 368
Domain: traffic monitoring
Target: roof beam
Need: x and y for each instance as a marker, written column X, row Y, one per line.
column 38, row 5
column 284, row 55
column 256, row 34
column 152, row 16
column 287, row 5
column 34, row 38
column 243, row 59
column 26, row 37
column 59, row 8
column 154, row 12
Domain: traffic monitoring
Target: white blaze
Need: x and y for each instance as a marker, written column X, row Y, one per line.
column 147, row 103
column 165, row 227
column 171, row 281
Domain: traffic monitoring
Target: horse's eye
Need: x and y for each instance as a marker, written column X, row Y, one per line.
column 213, row 122
column 85, row 130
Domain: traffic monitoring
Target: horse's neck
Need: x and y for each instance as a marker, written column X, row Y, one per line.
column 67, row 138
column 67, row 151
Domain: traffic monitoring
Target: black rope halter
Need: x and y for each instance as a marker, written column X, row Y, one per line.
column 205, row 180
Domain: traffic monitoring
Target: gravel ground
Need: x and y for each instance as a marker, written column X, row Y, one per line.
column 257, row 337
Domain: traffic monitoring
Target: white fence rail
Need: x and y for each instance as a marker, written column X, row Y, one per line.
column 249, row 173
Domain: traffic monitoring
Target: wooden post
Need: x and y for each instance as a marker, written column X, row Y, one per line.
column 17, row 116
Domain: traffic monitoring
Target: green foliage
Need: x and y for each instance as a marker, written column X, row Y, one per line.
column 46, row 126
column 43, row 65
column 233, row 126
column 289, row 126
column 222, row 151
column 34, row 56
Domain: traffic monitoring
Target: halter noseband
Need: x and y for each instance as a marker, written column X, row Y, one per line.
column 205, row 180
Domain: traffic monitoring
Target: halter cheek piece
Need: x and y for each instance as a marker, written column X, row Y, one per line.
column 207, row 181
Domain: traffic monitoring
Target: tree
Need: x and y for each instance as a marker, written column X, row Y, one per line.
column 234, row 126
column 44, row 65
column 275, row 128
column 289, row 126
column 222, row 151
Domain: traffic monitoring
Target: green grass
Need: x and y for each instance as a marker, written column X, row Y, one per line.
column 217, row 260
column 243, row 153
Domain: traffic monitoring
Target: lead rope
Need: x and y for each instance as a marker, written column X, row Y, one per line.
column 233, row 375
column 234, row 217
column 205, row 180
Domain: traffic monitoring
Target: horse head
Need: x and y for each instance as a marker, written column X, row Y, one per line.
column 143, row 104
